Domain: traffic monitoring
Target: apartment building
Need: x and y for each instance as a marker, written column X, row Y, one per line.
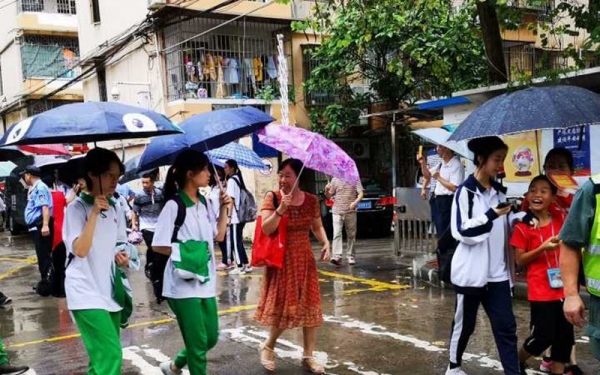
column 39, row 49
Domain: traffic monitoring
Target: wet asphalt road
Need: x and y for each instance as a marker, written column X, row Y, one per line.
column 378, row 321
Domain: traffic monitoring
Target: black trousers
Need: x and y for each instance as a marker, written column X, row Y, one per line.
column 59, row 259
column 497, row 303
column 43, row 247
column 237, row 244
column 549, row 327
column 148, row 236
column 443, row 210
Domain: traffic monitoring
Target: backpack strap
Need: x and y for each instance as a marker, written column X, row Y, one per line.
column 180, row 218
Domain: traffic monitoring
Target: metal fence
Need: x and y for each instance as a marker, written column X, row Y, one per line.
column 48, row 6
column 49, row 56
column 413, row 232
column 235, row 61
column 538, row 5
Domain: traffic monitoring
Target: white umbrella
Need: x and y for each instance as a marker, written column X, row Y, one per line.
column 439, row 136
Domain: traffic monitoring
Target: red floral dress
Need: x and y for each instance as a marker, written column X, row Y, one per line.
column 290, row 296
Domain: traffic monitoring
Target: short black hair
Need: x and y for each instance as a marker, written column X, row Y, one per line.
column 98, row 161
column 563, row 152
column 545, row 178
column 295, row 164
column 152, row 175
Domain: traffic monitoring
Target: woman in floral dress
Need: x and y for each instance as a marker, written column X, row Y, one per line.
column 290, row 295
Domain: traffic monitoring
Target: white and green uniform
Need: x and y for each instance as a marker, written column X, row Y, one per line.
column 192, row 301
column 89, row 283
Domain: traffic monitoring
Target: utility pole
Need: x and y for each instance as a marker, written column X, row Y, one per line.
column 492, row 40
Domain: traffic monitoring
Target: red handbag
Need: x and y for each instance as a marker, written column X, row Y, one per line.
column 269, row 250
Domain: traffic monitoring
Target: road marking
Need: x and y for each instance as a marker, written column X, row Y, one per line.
column 27, row 262
column 374, row 285
column 232, row 310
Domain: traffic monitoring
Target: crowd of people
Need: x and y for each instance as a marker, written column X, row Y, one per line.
column 487, row 237
column 81, row 237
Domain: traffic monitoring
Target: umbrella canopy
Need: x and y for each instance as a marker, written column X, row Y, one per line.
column 49, row 161
column 51, row 149
column 439, row 136
column 204, row 132
column 314, row 150
column 244, row 156
column 534, row 108
column 6, row 167
column 88, row 122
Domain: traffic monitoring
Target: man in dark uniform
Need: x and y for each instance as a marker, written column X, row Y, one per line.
column 38, row 217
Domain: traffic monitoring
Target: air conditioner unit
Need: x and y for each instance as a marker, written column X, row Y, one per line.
column 358, row 149
column 156, row 4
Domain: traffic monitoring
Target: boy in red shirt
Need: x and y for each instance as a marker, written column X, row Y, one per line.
column 538, row 249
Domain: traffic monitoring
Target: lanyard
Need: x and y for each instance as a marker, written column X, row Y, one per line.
column 542, row 241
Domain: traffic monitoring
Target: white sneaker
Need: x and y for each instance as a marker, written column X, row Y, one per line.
column 351, row 260
column 455, row 371
column 237, row 271
column 247, row 268
column 165, row 367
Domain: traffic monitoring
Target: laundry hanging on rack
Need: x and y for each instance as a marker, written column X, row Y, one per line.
column 271, row 67
column 232, row 76
column 258, row 69
column 220, row 94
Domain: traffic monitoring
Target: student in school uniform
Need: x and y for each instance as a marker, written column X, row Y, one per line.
column 189, row 283
column 92, row 229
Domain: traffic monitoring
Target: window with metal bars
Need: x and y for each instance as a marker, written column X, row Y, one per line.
column 49, row 6
column 95, row 8
column 49, row 56
column 235, row 61
column 309, row 63
column 35, row 107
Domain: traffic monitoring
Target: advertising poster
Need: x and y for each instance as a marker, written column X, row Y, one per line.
column 576, row 140
column 522, row 162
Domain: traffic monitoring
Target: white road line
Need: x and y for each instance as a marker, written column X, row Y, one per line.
column 131, row 354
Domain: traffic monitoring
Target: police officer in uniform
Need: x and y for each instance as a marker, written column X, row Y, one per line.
column 38, row 217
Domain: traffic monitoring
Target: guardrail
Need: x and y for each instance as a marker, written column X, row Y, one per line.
column 413, row 231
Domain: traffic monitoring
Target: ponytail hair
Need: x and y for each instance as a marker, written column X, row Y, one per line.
column 188, row 160
column 233, row 164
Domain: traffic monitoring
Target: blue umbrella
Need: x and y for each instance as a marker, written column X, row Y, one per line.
column 534, row 108
column 244, row 156
column 88, row 122
column 204, row 132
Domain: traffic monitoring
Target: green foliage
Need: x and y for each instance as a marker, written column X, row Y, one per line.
column 404, row 50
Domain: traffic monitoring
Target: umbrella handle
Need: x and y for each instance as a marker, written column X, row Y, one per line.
column 298, row 177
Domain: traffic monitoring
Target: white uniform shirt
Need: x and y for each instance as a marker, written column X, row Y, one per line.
column 453, row 172
column 233, row 190
column 88, row 282
column 199, row 225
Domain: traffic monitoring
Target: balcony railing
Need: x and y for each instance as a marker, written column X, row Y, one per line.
column 48, row 6
column 536, row 5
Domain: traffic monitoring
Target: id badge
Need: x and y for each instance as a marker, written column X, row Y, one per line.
column 554, row 278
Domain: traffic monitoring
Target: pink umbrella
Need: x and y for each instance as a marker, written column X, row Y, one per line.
column 51, row 149
column 314, row 150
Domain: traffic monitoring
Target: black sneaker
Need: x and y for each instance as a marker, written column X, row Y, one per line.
column 4, row 300
column 523, row 367
column 336, row 261
column 7, row 369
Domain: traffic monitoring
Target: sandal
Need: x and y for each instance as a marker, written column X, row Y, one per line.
column 268, row 364
column 311, row 365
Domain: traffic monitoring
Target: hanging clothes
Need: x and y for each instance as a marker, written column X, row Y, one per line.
column 209, row 71
column 271, row 67
column 258, row 69
column 249, row 68
column 220, row 94
column 232, row 76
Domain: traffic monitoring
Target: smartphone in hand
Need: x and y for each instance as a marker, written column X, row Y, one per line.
column 502, row 205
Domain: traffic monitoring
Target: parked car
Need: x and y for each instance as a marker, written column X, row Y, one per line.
column 374, row 213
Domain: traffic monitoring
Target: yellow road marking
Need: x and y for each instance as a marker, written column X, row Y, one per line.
column 231, row 310
column 374, row 285
column 30, row 260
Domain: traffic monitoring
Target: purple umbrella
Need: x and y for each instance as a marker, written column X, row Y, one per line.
column 314, row 150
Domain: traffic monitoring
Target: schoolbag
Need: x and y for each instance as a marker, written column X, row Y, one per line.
column 447, row 246
column 247, row 211
column 160, row 261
